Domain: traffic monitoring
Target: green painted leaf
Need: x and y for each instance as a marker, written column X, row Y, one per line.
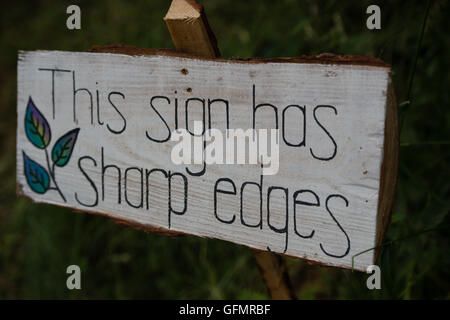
column 36, row 126
column 37, row 177
column 62, row 150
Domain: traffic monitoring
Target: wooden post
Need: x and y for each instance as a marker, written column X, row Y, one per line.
column 189, row 29
column 274, row 272
column 191, row 33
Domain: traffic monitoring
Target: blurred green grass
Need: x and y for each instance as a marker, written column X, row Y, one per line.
column 38, row 242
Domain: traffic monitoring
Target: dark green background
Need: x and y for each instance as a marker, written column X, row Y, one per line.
column 38, row 242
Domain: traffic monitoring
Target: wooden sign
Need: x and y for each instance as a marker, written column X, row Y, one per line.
column 94, row 133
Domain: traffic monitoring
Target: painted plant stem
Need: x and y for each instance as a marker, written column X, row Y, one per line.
column 51, row 170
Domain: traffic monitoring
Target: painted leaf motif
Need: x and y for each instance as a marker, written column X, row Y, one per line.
column 36, row 126
column 62, row 150
column 37, row 177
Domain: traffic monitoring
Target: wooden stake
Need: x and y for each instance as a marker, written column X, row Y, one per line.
column 190, row 30
column 274, row 272
column 192, row 34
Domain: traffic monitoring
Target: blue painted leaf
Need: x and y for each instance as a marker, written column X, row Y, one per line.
column 36, row 126
column 62, row 150
column 37, row 177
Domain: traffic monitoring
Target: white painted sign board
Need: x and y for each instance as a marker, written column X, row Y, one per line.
column 93, row 129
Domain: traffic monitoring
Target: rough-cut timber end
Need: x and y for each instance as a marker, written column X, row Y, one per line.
column 190, row 30
column 389, row 167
